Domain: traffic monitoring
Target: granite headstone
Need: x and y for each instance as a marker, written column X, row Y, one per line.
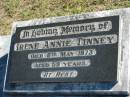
column 57, row 55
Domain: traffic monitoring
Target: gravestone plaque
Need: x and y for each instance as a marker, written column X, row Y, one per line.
column 74, row 51
column 84, row 54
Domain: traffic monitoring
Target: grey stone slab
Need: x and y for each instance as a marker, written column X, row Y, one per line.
column 4, row 45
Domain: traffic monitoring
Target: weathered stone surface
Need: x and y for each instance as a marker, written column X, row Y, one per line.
column 4, row 45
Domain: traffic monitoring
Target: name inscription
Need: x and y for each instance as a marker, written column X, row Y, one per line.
column 73, row 42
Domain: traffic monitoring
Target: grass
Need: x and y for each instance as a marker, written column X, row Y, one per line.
column 15, row 10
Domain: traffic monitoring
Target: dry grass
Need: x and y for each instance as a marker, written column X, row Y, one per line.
column 15, row 10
